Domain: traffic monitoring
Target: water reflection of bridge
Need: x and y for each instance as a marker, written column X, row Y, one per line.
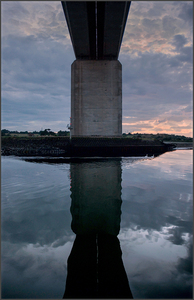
column 95, row 267
column 151, row 206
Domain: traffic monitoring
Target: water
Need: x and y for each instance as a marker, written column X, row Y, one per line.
column 147, row 202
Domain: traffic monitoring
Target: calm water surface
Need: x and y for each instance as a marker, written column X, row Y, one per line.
column 147, row 203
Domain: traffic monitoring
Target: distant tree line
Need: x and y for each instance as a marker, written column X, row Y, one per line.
column 159, row 137
column 144, row 136
column 45, row 132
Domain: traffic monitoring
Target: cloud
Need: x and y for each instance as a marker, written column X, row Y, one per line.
column 35, row 79
column 186, row 11
column 156, row 55
column 179, row 41
column 37, row 54
column 151, row 26
column 35, row 72
column 44, row 20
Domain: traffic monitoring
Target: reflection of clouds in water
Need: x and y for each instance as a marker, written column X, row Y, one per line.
column 151, row 198
column 176, row 236
column 173, row 166
column 128, row 162
column 35, row 202
column 36, row 233
column 36, row 226
column 184, row 265
column 186, row 197
column 22, row 253
column 165, row 167
column 32, row 264
column 152, row 244
column 152, row 261
column 156, row 225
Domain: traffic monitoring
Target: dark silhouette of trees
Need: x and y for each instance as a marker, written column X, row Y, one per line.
column 144, row 136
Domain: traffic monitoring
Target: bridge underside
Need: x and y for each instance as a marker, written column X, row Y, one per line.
column 96, row 27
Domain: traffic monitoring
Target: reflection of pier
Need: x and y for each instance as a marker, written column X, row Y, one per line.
column 95, row 267
column 96, row 197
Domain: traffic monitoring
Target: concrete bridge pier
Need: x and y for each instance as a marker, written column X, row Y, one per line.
column 96, row 98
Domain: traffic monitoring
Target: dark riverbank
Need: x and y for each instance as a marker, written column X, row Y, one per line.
column 81, row 146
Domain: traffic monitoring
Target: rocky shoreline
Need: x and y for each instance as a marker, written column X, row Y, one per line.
column 81, row 146
column 33, row 146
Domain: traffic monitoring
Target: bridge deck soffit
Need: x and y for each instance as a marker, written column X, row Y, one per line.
column 96, row 27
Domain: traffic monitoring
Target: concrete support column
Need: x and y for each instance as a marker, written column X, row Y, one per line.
column 96, row 98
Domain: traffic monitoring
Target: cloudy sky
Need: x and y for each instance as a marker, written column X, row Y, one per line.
column 156, row 56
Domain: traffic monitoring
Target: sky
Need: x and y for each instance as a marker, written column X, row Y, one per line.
column 156, row 57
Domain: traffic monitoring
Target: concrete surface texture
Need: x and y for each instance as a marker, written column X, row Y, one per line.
column 96, row 98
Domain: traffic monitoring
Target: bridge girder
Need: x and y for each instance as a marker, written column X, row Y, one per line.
column 96, row 27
